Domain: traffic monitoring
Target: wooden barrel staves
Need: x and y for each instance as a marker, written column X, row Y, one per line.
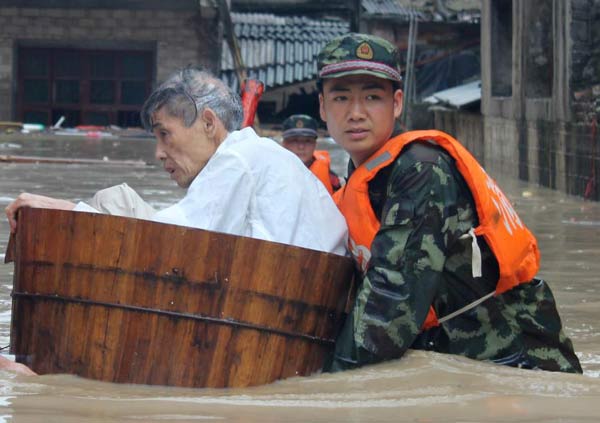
column 133, row 301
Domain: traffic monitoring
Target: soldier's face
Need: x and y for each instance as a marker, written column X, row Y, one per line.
column 360, row 111
column 303, row 147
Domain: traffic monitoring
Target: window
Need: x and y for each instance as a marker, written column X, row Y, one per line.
column 501, row 48
column 538, row 49
column 88, row 87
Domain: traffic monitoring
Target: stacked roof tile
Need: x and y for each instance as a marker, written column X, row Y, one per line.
column 278, row 50
column 390, row 9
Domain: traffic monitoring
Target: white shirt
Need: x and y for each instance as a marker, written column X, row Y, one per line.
column 254, row 187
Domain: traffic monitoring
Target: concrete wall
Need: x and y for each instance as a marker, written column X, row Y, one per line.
column 6, row 66
column 585, row 59
column 564, row 156
column 558, row 155
column 546, row 140
column 178, row 37
column 465, row 127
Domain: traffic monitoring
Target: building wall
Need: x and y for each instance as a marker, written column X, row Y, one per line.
column 558, row 155
column 555, row 154
column 585, row 59
column 6, row 67
column 501, row 146
column 465, row 127
column 547, row 138
column 178, row 37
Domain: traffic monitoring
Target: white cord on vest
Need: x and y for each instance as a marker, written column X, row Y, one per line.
column 476, row 269
column 475, row 253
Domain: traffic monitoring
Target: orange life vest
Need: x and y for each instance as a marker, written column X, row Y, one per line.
column 513, row 245
column 320, row 167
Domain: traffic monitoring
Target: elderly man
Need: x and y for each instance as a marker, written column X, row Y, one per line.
column 237, row 182
column 300, row 137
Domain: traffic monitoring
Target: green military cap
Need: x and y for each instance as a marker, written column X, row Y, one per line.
column 359, row 54
column 299, row 126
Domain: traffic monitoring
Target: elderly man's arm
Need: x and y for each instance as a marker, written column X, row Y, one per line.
column 37, row 201
column 6, row 364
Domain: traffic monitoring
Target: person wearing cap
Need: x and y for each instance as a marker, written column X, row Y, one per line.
column 445, row 262
column 300, row 137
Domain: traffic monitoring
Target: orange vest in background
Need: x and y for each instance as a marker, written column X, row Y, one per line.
column 320, row 168
column 513, row 245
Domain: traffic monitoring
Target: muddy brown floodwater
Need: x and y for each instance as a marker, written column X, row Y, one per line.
column 421, row 387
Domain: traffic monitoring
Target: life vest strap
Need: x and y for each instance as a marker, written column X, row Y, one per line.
column 466, row 308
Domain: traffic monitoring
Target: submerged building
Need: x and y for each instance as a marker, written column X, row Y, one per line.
column 95, row 62
column 541, row 91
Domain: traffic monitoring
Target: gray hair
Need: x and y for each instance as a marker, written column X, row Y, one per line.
column 185, row 95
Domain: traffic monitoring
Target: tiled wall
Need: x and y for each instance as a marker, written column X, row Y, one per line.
column 562, row 156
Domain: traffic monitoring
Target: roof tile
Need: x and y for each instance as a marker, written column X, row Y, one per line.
column 278, row 50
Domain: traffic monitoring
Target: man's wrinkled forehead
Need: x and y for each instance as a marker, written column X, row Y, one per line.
column 162, row 119
column 156, row 118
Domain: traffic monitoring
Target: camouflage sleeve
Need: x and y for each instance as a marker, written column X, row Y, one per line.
column 404, row 272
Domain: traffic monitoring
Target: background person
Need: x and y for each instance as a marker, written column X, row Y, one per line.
column 300, row 137
column 446, row 263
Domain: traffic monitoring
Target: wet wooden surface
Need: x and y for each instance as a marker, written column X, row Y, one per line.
column 133, row 301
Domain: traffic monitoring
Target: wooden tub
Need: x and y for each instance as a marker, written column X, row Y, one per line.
column 133, row 301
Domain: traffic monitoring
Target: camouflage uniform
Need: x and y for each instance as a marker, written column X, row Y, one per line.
column 419, row 259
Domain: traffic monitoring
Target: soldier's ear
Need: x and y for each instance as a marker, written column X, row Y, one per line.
column 398, row 97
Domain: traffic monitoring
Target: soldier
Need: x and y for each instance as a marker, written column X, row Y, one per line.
column 300, row 137
column 446, row 263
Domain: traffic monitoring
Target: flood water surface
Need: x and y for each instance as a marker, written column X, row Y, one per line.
column 421, row 387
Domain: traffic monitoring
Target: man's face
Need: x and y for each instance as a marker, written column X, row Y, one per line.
column 303, row 147
column 183, row 151
column 360, row 111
